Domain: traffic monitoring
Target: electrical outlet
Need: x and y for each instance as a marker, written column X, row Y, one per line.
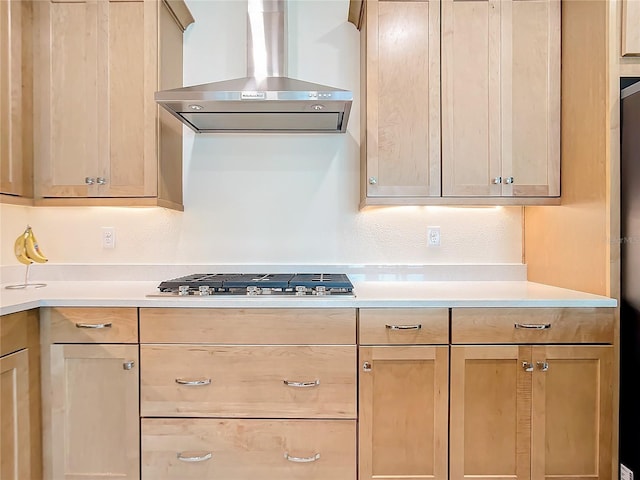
column 108, row 237
column 433, row 236
column 625, row 473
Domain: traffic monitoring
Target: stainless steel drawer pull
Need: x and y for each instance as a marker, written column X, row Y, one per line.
column 533, row 326
column 128, row 365
column 404, row 327
column 193, row 381
column 194, row 456
column 93, row 325
column 302, row 459
column 289, row 383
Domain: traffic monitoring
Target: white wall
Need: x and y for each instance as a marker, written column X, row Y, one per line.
column 271, row 198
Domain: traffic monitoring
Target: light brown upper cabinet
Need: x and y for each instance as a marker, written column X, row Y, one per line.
column 401, row 148
column 630, row 28
column 501, row 98
column 16, row 157
column 100, row 138
column 461, row 100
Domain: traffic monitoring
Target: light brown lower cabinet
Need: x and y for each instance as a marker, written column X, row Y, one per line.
column 14, row 416
column 91, row 419
column 531, row 411
column 242, row 449
column 403, row 394
column 20, row 445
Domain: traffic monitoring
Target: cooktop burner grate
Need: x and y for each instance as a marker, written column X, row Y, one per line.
column 299, row 284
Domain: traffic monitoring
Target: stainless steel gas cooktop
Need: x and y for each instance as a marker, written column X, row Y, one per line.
column 296, row 284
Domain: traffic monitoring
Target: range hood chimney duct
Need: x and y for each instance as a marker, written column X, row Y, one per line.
column 267, row 100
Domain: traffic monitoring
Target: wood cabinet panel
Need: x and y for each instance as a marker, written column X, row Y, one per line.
column 99, row 132
column 630, row 28
column 249, row 381
column 572, row 407
column 91, row 325
column 389, row 326
column 403, row 408
column 16, row 150
column 257, row 326
column 20, row 406
column 403, row 117
column 15, row 450
column 490, row 428
column 245, row 448
column 532, row 325
column 94, row 414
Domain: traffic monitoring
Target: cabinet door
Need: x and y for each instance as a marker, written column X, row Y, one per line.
column 403, row 412
column 95, row 425
column 15, row 104
column 630, row 28
column 501, row 98
column 66, row 97
column 471, row 97
column 127, row 82
column 96, row 116
column 530, row 97
column 490, row 412
column 572, row 412
column 14, row 416
column 403, row 98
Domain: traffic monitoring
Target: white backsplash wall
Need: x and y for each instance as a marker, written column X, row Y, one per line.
column 270, row 199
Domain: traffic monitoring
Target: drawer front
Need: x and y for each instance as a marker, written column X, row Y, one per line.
column 91, row 325
column 15, row 329
column 259, row 326
column 403, row 326
column 238, row 449
column 532, row 325
column 248, row 381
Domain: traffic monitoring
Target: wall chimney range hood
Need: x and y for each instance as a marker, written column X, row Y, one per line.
column 266, row 100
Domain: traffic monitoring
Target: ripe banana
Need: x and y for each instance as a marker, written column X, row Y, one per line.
column 31, row 246
column 20, row 249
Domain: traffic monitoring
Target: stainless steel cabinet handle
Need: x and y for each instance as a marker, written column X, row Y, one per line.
column 527, row 367
column 404, row 327
column 194, row 456
column 373, row 180
column 93, row 325
column 542, row 366
column 193, row 381
column 314, row 383
column 366, row 367
column 533, row 326
column 128, row 365
column 101, row 181
column 302, row 459
column 508, row 180
column 497, row 180
column 89, row 180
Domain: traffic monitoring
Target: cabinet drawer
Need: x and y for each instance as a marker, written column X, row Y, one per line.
column 248, row 381
column 532, row 325
column 403, row 326
column 242, row 449
column 91, row 325
column 15, row 329
column 248, row 326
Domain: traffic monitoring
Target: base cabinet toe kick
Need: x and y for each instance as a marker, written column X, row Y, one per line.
column 340, row 393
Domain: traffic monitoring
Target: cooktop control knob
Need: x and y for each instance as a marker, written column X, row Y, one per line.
column 183, row 290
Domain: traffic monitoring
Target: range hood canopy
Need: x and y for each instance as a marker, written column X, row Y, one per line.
column 266, row 100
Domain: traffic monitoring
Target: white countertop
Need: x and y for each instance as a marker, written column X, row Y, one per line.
column 367, row 294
